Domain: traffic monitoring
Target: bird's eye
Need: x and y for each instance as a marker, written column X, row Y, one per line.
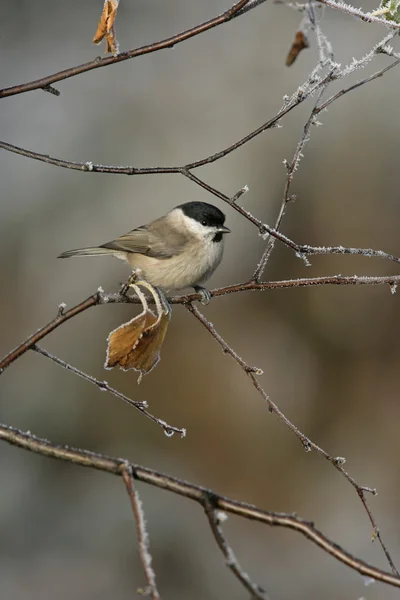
column 204, row 222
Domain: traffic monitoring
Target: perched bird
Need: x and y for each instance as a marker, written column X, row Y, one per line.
column 181, row 249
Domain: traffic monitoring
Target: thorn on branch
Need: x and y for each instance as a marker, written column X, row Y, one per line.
column 240, row 193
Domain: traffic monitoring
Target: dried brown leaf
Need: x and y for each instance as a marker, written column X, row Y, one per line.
column 105, row 28
column 300, row 42
column 137, row 344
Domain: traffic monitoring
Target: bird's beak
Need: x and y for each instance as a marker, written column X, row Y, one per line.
column 224, row 229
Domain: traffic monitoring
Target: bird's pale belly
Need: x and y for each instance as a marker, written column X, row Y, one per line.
column 179, row 271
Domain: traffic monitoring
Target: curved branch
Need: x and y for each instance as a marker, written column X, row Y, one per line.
column 90, row 167
column 239, row 8
column 308, row 444
column 101, row 297
column 103, row 385
column 117, row 466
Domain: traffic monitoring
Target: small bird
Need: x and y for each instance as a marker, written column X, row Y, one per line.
column 181, row 249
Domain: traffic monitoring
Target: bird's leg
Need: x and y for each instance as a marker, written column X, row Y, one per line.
column 164, row 302
column 204, row 293
column 125, row 287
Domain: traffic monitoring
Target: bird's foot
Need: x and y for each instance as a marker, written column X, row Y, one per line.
column 126, row 286
column 164, row 302
column 204, row 293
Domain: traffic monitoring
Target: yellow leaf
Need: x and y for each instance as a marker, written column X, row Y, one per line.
column 105, row 28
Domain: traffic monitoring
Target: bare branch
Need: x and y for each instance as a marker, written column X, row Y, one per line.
column 116, row 466
column 317, row 82
column 341, row 93
column 103, row 385
column 142, row 535
column 357, row 12
column 289, row 178
column 237, row 9
column 117, row 298
column 214, row 520
column 309, row 445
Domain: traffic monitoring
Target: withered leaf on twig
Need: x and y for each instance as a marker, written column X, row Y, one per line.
column 106, row 29
column 300, row 42
column 137, row 344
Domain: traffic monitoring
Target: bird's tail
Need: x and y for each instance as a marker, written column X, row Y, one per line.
column 86, row 252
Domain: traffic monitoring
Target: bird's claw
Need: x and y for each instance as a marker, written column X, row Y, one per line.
column 204, row 293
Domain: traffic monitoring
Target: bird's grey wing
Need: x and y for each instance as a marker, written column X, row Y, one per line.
column 148, row 240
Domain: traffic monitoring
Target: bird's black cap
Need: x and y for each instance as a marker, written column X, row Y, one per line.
column 204, row 213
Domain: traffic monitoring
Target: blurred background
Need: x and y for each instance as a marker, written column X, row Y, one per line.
column 330, row 355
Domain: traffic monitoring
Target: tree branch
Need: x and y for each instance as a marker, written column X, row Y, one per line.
column 117, row 466
column 101, row 297
column 214, row 520
column 142, row 535
column 309, row 445
column 103, row 385
column 239, row 8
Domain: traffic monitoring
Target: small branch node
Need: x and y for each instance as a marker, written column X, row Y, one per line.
column 303, row 258
column 306, row 444
column 61, row 309
column 370, row 490
column 240, row 193
column 221, row 516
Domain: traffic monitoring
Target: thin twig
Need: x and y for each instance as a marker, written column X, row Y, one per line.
column 289, row 178
column 344, row 91
column 103, row 385
column 318, row 107
column 100, row 298
column 117, row 466
column 239, row 8
column 90, row 167
column 357, row 12
column 142, row 535
column 337, row 462
column 214, row 520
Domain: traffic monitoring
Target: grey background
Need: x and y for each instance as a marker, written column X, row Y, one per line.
column 330, row 355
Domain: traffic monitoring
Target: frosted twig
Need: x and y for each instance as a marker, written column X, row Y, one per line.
column 356, row 85
column 318, row 107
column 289, row 178
column 231, row 561
column 367, row 252
column 357, row 12
column 142, row 535
column 196, row 493
column 324, row 46
column 103, row 385
column 306, row 442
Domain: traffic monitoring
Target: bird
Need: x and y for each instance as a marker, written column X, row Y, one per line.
column 178, row 250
